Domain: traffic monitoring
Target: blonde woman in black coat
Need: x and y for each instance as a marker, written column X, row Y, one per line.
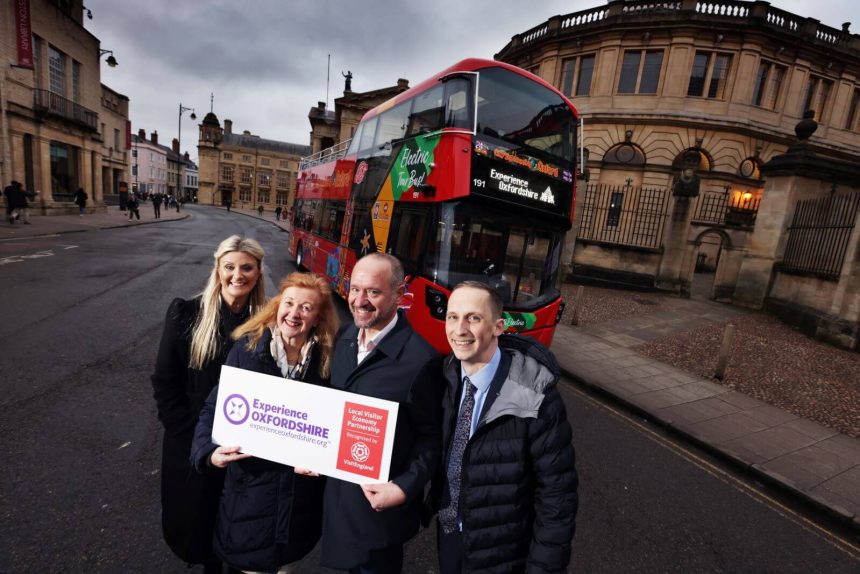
column 194, row 345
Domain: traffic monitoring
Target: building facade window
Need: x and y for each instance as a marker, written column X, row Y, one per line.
column 228, row 155
column 76, row 81
column 263, row 197
column 282, row 180
column 768, row 85
column 280, row 199
column 64, row 171
column 245, row 194
column 284, row 163
column 264, row 179
column 245, row 177
column 708, row 76
column 640, row 72
column 37, row 62
column 117, row 141
column 576, row 75
column 852, row 122
column 57, row 70
column 246, row 158
column 226, row 173
column 817, row 92
column 264, row 161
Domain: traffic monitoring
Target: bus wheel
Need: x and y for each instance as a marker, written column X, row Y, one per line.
column 299, row 257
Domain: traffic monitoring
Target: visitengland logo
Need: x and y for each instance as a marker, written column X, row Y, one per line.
column 359, row 452
column 236, row 409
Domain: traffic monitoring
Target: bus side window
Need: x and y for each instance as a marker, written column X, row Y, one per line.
column 391, row 125
column 367, row 133
column 410, row 227
column 457, row 112
column 356, row 139
column 427, row 112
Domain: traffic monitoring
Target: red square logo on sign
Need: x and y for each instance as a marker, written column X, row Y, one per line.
column 362, row 437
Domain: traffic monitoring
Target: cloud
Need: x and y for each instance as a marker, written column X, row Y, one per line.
column 267, row 61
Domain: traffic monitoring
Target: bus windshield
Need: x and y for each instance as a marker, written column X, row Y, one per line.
column 519, row 113
column 519, row 260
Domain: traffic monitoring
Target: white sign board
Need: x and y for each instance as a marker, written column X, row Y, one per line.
column 335, row 433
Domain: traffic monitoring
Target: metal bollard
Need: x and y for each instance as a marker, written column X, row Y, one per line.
column 725, row 349
column 577, row 304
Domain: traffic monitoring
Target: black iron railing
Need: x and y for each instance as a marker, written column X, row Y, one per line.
column 623, row 214
column 725, row 209
column 47, row 102
column 818, row 235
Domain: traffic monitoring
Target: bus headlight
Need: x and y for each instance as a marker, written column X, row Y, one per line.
column 437, row 302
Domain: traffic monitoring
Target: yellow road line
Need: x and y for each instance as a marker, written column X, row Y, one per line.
column 844, row 546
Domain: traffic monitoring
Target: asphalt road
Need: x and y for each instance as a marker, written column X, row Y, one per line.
column 80, row 321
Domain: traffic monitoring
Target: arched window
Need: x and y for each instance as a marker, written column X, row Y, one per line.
column 705, row 161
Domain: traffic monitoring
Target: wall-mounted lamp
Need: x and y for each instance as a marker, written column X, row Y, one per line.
column 110, row 60
column 780, row 50
column 646, row 36
column 718, row 38
column 88, row 12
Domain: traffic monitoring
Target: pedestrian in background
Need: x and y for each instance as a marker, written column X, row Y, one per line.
column 25, row 208
column 278, row 211
column 156, row 205
column 133, row 207
column 194, row 345
column 379, row 355
column 81, row 198
column 16, row 202
column 509, row 490
column 260, row 211
column 269, row 516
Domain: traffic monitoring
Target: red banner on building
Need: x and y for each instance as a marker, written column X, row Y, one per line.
column 23, row 34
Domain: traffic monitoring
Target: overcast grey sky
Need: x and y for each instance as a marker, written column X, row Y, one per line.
column 266, row 60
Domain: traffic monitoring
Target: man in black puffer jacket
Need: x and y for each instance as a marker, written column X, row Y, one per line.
column 508, row 500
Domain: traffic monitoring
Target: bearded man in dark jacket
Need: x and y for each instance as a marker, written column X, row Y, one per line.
column 509, row 494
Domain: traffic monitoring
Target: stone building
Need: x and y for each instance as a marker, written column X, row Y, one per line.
column 332, row 127
column 149, row 165
column 50, row 105
column 190, row 175
column 116, row 143
column 692, row 178
column 245, row 169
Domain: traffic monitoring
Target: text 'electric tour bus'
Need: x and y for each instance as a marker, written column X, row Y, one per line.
column 469, row 175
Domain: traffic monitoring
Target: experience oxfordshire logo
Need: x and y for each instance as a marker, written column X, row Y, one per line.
column 236, row 409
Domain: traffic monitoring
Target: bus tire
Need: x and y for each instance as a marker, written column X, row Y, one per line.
column 300, row 257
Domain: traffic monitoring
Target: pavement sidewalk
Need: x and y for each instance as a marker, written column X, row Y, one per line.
column 110, row 218
column 814, row 462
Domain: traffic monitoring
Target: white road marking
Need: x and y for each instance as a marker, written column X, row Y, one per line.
column 20, row 258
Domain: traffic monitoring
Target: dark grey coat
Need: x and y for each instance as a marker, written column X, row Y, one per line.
column 268, row 516
column 399, row 369
column 518, row 496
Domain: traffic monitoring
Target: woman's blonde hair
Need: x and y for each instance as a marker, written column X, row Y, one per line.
column 205, row 338
column 327, row 321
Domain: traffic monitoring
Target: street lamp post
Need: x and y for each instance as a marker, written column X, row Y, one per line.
column 179, row 141
column 110, row 60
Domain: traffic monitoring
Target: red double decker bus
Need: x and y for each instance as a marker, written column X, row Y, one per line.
column 468, row 175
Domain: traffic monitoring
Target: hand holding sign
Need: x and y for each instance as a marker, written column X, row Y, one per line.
column 385, row 495
column 224, row 455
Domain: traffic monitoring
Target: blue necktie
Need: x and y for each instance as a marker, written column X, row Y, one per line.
column 448, row 515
